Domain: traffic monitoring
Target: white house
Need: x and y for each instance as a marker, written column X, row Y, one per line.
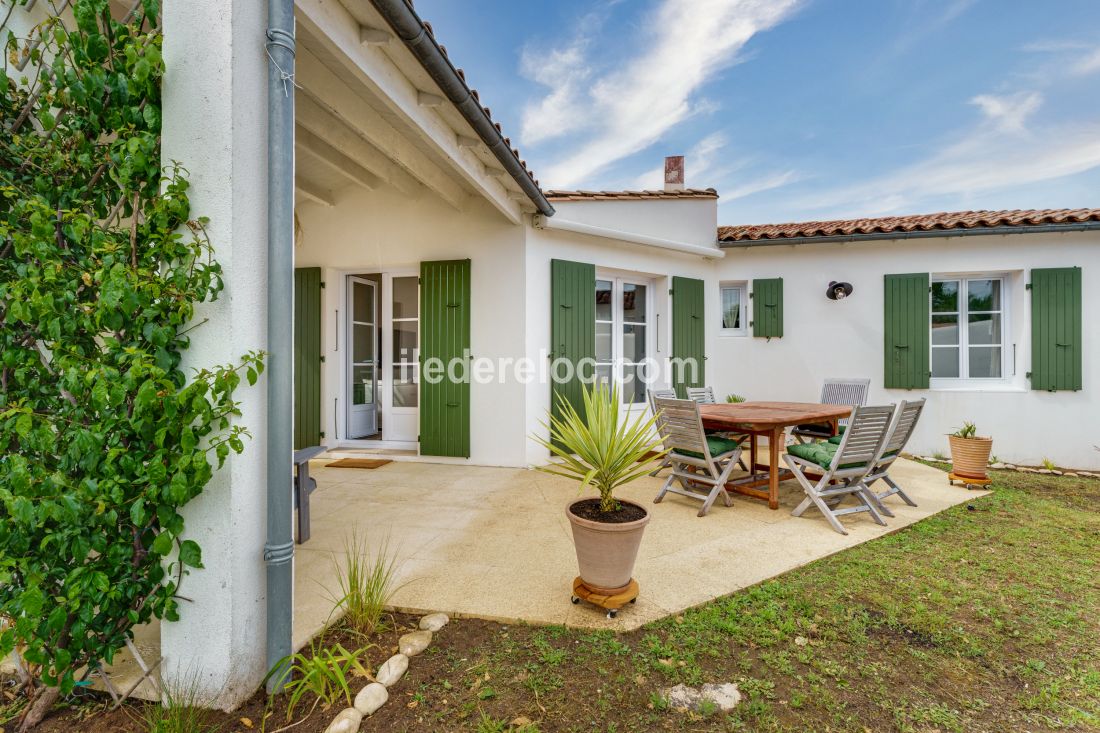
column 420, row 233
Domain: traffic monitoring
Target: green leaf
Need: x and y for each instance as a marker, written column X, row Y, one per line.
column 141, row 71
column 190, row 554
column 137, row 513
column 162, row 545
column 23, row 425
column 22, row 510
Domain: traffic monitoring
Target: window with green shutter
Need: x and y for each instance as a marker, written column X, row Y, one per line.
column 572, row 326
column 688, row 334
column 445, row 335
column 1056, row 328
column 767, row 307
column 307, row 357
column 906, row 331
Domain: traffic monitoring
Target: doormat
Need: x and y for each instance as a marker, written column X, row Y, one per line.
column 358, row 463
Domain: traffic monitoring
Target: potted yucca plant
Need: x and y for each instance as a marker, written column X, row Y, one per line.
column 603, row 452
column 970, row 452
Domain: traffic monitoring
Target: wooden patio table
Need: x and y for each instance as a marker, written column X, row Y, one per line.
column 770, row 419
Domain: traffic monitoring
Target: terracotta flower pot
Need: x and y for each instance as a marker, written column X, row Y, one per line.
column 606, row 550
column 970, row 456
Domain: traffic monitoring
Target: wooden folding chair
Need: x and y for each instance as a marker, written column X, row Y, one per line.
column 653, row 394
column 845, row 465
column 702, row 395
column 700, row 462
column 905, row 422
column 705, row 396
column 852, row 392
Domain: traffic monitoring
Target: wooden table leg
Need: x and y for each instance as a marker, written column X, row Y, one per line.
column 773, row 463
column 752, row 454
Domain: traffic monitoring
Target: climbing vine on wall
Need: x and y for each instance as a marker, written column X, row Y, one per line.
column 104, row 435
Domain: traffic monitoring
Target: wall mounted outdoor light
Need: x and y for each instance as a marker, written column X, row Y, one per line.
column 838, row 290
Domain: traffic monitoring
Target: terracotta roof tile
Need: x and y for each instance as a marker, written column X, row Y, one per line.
column 913, row 223
column 687, row 193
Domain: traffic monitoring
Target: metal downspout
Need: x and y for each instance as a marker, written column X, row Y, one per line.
column 279, row 548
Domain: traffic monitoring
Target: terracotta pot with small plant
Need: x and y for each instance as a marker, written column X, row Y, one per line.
column 970, row 452
column 602, row 450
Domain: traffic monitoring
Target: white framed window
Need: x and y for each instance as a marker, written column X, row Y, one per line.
column 624, row 314
column 969, row 328
column 735, row 305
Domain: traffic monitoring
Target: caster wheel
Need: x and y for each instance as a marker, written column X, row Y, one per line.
column 575, row 600
column 612, row 613
column 633, row 600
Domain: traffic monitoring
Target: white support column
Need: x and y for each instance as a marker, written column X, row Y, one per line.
column 215, row 102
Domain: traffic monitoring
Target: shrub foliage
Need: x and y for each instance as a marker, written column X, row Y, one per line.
column 104, row 436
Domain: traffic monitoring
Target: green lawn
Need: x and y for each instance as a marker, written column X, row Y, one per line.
column 985, row 617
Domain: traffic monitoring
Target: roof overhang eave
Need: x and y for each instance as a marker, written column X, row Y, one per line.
column 410, row 29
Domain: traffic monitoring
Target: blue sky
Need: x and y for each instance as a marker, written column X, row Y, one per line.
column 797, row 109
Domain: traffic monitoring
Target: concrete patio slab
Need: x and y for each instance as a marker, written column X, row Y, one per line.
column 494, row 543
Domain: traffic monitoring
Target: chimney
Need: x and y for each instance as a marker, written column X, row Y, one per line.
column 674, row 173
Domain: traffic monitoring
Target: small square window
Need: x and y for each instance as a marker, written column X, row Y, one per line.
column 734, row 308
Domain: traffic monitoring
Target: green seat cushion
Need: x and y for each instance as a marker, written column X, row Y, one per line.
column 717, row 445
column 818, row 453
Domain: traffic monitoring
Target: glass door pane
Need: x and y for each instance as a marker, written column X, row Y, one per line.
column 362, row 365
column 406, row 341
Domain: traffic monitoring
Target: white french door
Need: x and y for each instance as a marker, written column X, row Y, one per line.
column 624, row 337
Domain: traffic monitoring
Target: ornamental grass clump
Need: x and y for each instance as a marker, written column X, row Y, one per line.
column 104, row 436
column 367, row 581
column 602, row 448
column 324, row 673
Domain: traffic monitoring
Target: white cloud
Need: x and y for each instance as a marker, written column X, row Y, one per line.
column 684, row 43
column 757, row 185
column 980, row 162
column 1008, row 112
column 1087, row 64
column 566, row 72
column 1075, row 57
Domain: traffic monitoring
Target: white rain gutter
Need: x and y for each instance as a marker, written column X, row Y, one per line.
column 701, row 250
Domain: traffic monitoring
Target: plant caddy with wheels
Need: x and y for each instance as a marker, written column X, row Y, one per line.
column 969, row 457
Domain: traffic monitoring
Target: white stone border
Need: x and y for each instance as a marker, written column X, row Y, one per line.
column 375, row 694
column 1018, row 469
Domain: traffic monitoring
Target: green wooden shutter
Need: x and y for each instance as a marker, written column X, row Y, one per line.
column 307, row 357
column 688, row 333
column 572, row 326
column 767, row 307
column 445, row 335
column 1056, row 328
column 906, row 330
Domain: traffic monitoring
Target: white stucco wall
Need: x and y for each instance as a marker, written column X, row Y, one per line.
column 385, row 229
column 681, row 220
column 691, row 220
column 824, row 338
column 215, row 125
